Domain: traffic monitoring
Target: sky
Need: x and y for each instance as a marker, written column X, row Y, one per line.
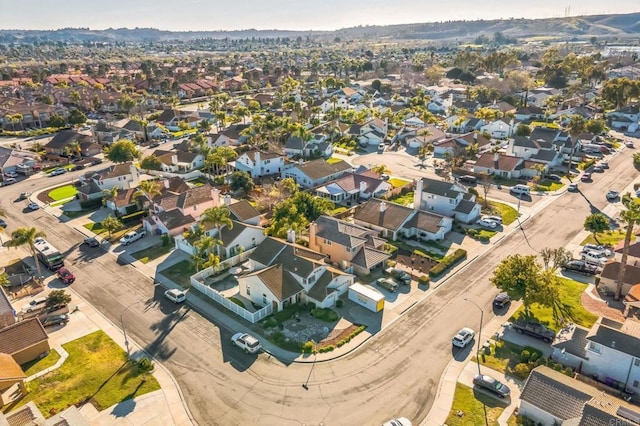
column 303, row 15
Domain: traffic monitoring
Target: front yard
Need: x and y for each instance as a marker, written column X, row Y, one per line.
column 63, row 192
column 180, row 273
column 468, row 408
column 96, row 371
column 153, row 252
column 608, row 238
column 505, row 211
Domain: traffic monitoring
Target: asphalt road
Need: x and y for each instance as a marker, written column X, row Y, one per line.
column 396, row 373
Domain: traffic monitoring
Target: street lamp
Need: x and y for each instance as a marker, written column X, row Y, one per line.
column 124, row 330
column 479, row 332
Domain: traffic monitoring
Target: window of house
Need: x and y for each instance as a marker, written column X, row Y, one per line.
column 264, row 299
column 248, row 291
column 594, row 347
column 635, row 384
column 636, row 362
column 327, row 242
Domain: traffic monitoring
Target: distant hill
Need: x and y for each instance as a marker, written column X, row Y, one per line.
column 581, row 26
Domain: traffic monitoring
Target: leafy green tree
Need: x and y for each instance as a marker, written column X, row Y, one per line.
column 56, row 121
column 147, row 189
column 296, row 212
column 288, row 186
column 217, row 217
column 630, row 217
column 596, row 126
column 27, row 236
column 57, row 298
column 596, row 223
column 111, row 224
column 77, row 117
column 122, row 151
column 4, row 279
column 554, row 258
column 380, row 169
column 126, row 103
column 240, row 180
column 151, row 162
column 523, row 130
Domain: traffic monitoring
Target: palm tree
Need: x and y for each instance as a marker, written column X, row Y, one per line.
column 217, row 217
column 630, row 217
column 109, row 194
column 28, row 236
column 111, row 224
column 148, row 189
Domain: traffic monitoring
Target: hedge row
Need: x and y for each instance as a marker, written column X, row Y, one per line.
column 133, row 218
column 447, row 262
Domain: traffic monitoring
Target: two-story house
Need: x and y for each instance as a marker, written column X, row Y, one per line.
column 242, row 211
column 445, row 199
column 353, row 248
column 284, row 273
column 498, row 129
column 259, row 164
column 538, row 151
column 122, row 175
column 315, row 172
column 59, row 144
column 179, row 161
column 373, row 132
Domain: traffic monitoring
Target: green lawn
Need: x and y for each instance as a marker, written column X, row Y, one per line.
column 508, row 213
column 504, row 356
column 37, row 365
column 465, row 400
column 95, row 371
column 96, row 228
column 398, row 183
column 152, row 252
column 63, row 192
column 570, row 293
column 180, row 273
column 608, row 238
column 548, row 185
column 403, row 200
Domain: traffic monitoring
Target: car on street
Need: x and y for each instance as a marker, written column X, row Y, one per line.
column 91, row 242
column 593, row 257
column 492, row 385
column 3, row 223
column 24, row 195
column 58, row 171
column 8, row 181
column 400, row 421
column 612, row 195
column 387, row 284
column 247, row 342
column 35, row 304
column 572, row 187
column 586, row 177
column 55, row 320
column 381, row 147
column 463, row 337
column 496, row 219
column 501, row 300
column 468, row 179
column 175, row 295
column 66, row 276
column 487, row 223
column 604, row 164
column 555, row 178
column 597, row 248
column 402, row 276
column 11, row 175
column 629, row 144
column 580, row 267
column 132, row 236
column 598, row 169
column 33, row 206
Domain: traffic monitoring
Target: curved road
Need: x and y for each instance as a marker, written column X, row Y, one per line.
column 395, row 373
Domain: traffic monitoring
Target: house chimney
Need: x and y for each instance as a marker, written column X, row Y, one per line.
column 291, row 236
column 256, row 157
column 475, row 137
column 496, row 157
column 363, row 187
column 227, row 199
column 383, row 207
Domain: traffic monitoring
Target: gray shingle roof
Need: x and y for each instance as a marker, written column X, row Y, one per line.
column 368, row 257
column 465, row 206
column 174, row 218
column 556, row 393
column 439, row 187
column 279, row 281
column 573, row 343
column 426, row 221
column 392, row 218
column 242, row 210
column 615, row 339
column 320, row 168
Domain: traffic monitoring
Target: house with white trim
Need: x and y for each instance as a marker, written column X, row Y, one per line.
column 259, row 164
column 445, row 199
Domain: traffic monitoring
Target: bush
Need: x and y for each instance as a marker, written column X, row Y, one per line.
column 91, row 204
column 525, row 356
column 534, row 356
column 166, row 240
column 424, row 280
column 324, row 314
column 521, row 371
column 133, row 218
column 144, row 365
column 339, row 303
column 307, row 348
column 447, row 262
column 326, row 349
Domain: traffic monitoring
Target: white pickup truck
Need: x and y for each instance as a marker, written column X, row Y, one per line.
column 132, row 236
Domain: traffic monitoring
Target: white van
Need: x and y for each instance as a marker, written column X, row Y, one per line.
column 520, row 190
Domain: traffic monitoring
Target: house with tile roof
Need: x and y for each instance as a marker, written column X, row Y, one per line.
column 496, row 164
column 24, row 341
column 284, row 273
column 179, row 161
column 353, row 248
column 445, row 199
column 315, row 172
column 353, row 188
column 259, row 164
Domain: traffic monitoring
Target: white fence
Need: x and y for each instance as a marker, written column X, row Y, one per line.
column 198, row 282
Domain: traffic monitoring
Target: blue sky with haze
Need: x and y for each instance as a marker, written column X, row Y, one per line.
column 181, row 15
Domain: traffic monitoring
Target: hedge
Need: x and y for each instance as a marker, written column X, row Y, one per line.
column 91, row 203
column 447, row 262
column 134, row 217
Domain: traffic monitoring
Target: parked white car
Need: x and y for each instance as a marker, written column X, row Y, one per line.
column 496, row 219
column 487, row 223
column 594, row 257
column 597, row 248
column 132, row 236
column 175, row 295
column 247, row 342
column 463, row 338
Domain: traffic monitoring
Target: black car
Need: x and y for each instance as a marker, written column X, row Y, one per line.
column 55, row 320
column 492, row 385
column 91, row 242
column 581, row 267
column 468, row 179
column 501, row 300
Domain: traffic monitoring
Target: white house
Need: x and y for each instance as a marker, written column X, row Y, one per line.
column 180, row 161
column 123, row 175
column 626, row 118
column 446, row 199
column 259, row 164
column 504, row 166
column 498, row 129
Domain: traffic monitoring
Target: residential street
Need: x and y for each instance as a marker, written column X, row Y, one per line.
column 394, row 374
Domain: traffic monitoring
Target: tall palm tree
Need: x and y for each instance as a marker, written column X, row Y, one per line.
column 217, row 217
column 630, row 217
column 28, row 236
column 148, row 189
column 109, row 194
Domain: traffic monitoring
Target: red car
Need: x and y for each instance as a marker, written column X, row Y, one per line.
column 66, row 276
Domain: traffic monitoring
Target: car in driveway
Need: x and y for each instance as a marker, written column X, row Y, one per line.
column 597, row 248
column 246, row 342
column 65, row 275
column 175, row 295
column 463, row 337
column 492, row 385
column 486, row 224
column 33, row 206
column 400, row 421
column 580, row 267
column 402, row 276
column 501, row 300
column 35, row 304
column 55, row 320
column 612, row 195
column 132, row 236
column 598, row 169
column 11, row 175
column 593, row 257
column 387, row 284
column 9, row 181
column 555, row 178
column 58, row 171
column 603, row 164
column 490, row 218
